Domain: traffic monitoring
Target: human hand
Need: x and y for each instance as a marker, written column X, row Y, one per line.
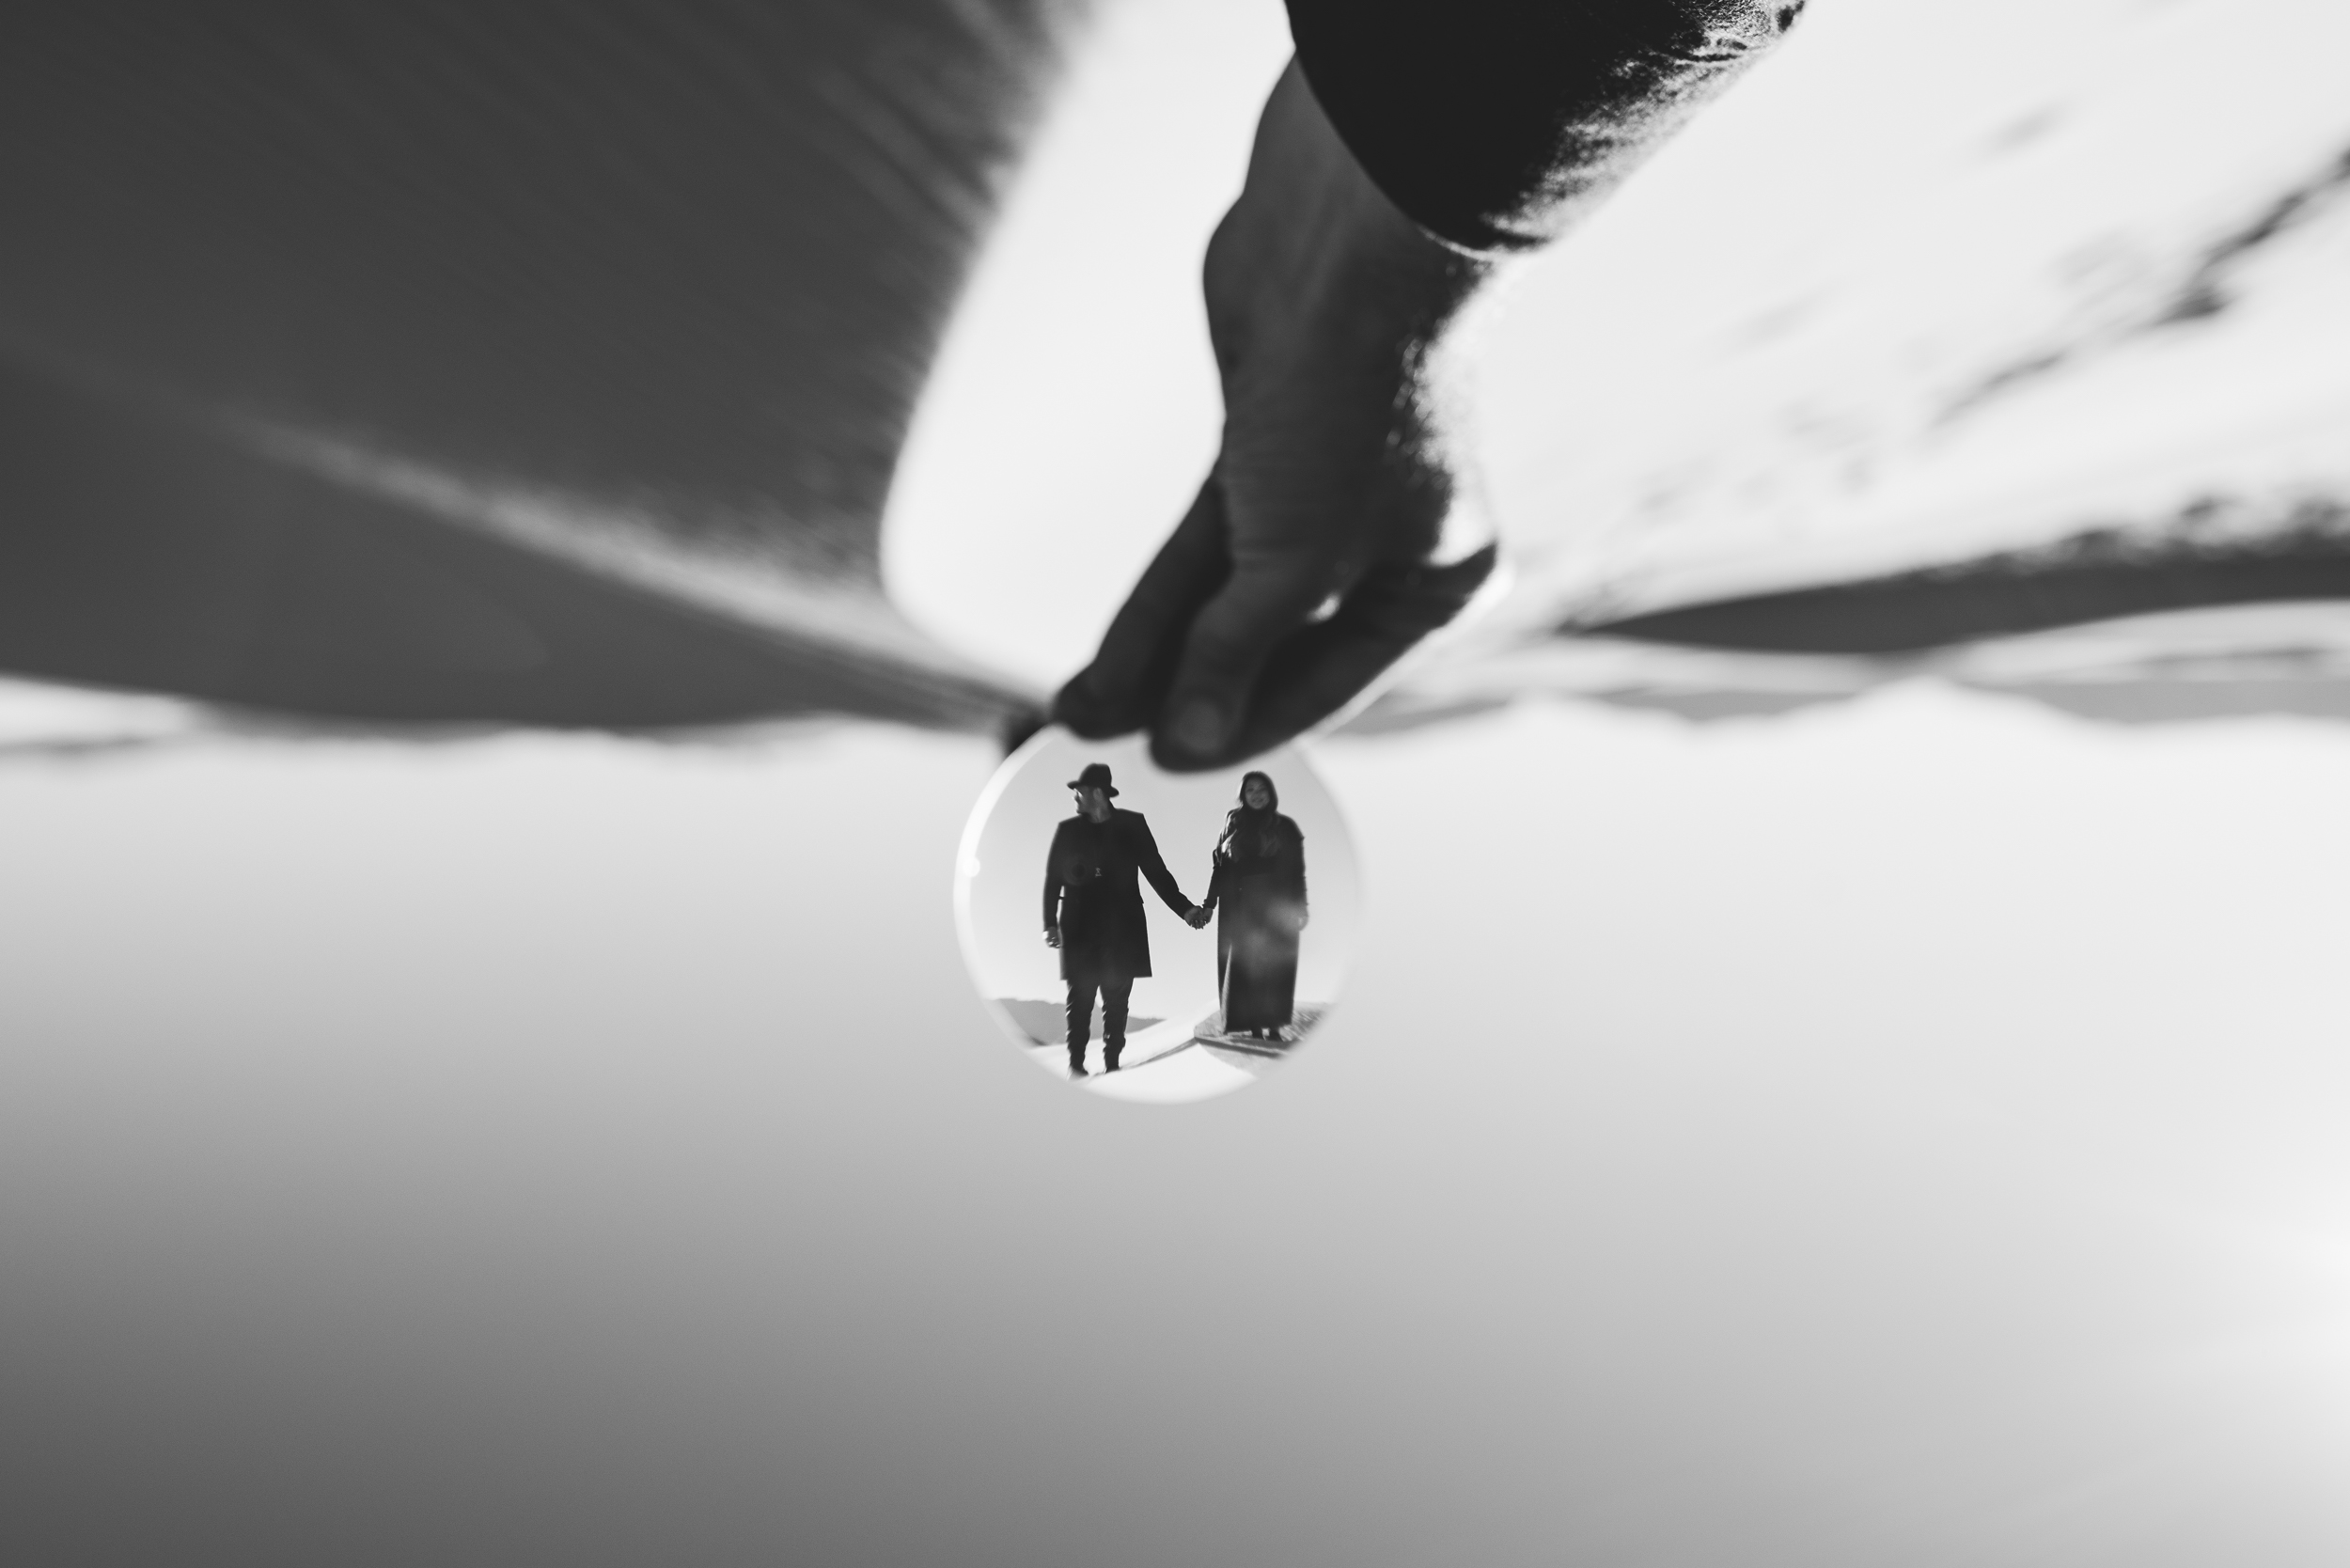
column 1199, row 917
column 1324, row 543
column 1052, row 937
column 1302, row 918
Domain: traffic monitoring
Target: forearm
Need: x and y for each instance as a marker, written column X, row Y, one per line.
column 1154, row 867
column 1172, row 896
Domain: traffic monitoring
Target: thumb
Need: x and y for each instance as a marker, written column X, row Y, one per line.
column 1269, row 595
column 1317, row 668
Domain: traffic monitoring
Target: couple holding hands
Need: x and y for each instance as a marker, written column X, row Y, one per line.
column 1093, row 910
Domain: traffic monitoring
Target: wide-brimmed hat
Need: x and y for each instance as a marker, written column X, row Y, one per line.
column 1094, row 776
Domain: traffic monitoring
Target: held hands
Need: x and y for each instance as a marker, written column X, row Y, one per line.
column 1198, row 917
column 1324, row 543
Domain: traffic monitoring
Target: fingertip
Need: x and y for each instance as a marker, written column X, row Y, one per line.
column 1191, row 733
column 1080, row 708
column 1200, row 727
column 1183, row 755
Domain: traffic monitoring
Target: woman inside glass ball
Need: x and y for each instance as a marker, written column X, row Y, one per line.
column 1256, row 888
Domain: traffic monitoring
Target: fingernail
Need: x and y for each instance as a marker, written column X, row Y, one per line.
column 1198, row 728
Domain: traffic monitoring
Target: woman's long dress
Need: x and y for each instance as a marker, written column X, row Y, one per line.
column 1261, row 899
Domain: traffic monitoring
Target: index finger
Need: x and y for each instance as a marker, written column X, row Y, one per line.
column 1130, row 673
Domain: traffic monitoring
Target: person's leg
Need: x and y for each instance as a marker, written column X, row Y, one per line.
column 1115, row 995
column 1080, row 1016
column 1226, row 925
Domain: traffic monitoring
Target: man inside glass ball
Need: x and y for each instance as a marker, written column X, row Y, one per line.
column 1093, row 910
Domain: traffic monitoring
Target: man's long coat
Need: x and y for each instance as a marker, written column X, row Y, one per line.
column 1091, row 891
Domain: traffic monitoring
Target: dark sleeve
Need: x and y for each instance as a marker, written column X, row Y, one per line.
column 1491, row 123
column 1052, row 881
column 1216, row 880
column 1154, row 869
